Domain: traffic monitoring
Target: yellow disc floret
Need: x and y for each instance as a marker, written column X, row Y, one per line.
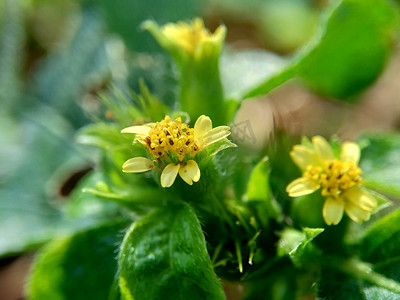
column 335, row 177
column 173, row 136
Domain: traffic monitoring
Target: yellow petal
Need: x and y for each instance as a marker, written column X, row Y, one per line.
column 202, row 126
column 332, row 211
column 302, row 186
column 322, row 148
column 350, row 152
column 303, row 157
column 142, row 130
column 168, row 175
column 356, row 213
column 137, row 165
column 360, row 198
column 190, row 172
column 216, row 134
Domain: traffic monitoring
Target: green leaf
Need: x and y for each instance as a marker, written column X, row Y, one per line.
column 348, row 51
column 296, row 244
column 164, row 256
column 335, row 285
column 381, row 241
column 27, row 216
column 242, row 70
column 353, row 279
column 259, row 194
column 380, row 162
column 82, row 266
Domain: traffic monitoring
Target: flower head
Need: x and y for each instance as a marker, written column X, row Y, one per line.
column 172, row 146
column 338, row 178
column 190, row 35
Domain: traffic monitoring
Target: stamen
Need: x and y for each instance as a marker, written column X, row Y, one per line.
column 335, row 177
column 173, row 136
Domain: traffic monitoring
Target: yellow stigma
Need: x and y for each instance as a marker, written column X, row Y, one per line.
column 187, row 35
column 171, row 136
column 335, row 177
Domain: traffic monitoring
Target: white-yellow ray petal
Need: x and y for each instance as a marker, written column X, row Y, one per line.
column 350, row 152
column 168, row 175
column 302, row 186
column 142, row 129
column 332, row 211
column 216, row 134
column 361, row 198
column 356, row 213
column 303, row 157
column 190, row 172
column 202, row 126
column 322, row 148
column 137, row 165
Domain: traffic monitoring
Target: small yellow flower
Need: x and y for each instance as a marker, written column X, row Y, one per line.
column 173, row 146
column 189, row 36
column 338, row 178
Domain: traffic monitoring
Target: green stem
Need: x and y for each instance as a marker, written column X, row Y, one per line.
column 363, row 271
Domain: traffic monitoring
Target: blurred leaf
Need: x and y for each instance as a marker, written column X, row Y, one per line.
column 380, row 162
column 348, row 51
column 63, row 77
column 259, row 195
column 82, row 266
column 164, row 256
column 125, row 16
column 381, row 242
column 12, row 38
column 353, row 279
column 242, row 70
column 82, row 204
column 334, row 285
column 27, row 215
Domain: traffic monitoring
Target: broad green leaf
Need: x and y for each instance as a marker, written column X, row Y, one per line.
column 259, row 194
column 380, row 162
column 164, row 256
column 348, row 51
column 81, row 266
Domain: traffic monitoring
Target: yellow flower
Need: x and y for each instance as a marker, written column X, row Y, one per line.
column 338, row 178
column 190, row 35
column 173, row 146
